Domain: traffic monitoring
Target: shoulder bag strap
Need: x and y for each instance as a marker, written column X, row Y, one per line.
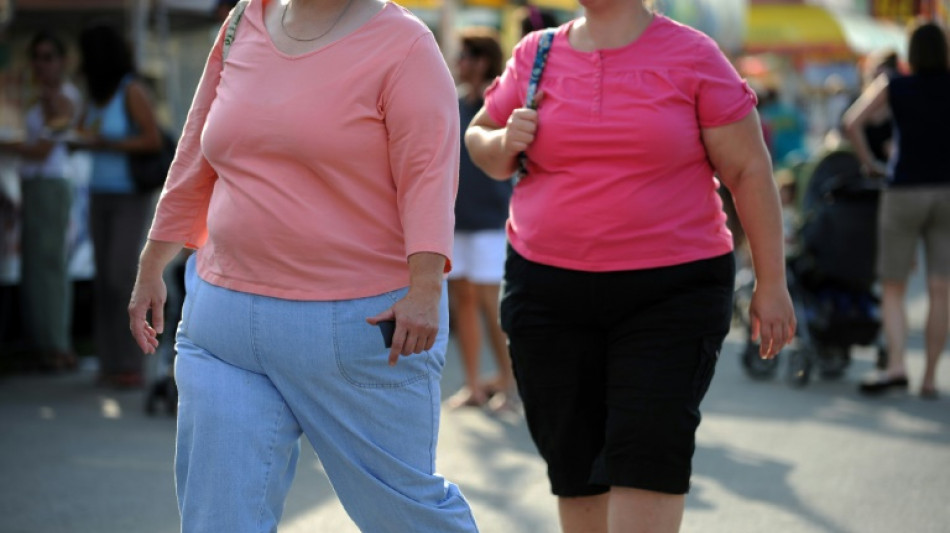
column 234, row 19
column 540, row 60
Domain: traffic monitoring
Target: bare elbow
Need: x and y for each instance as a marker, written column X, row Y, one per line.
column 468, row 138
column 754, row 169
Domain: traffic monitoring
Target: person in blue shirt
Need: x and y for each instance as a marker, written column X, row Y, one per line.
column 118, row 121
column 481, row 209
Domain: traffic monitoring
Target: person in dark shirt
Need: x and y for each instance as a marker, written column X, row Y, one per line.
column 915, row 204
column 481, row 210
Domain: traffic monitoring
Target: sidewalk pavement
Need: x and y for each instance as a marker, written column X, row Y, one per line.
column 79, row 459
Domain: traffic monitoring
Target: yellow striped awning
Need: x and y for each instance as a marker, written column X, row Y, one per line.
column 811, row 29
column 564, row 5
column 793, row 28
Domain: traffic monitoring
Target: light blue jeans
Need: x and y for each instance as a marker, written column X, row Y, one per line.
column 254, row 373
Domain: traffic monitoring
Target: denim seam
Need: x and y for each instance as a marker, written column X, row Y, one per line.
column 187, row 311
column 397, row 385
column 392, row 295
column 434, row 411
column 252, row 318
column 269, row 465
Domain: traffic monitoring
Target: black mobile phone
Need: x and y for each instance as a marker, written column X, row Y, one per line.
column 387, row 328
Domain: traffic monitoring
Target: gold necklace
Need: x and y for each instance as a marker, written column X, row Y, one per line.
column 283, row 26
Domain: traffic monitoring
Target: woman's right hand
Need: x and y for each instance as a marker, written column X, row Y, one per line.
column 149, row 294
column 521, row 128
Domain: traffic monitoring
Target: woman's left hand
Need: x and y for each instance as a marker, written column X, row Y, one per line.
column 417, row 322
column 772, row 318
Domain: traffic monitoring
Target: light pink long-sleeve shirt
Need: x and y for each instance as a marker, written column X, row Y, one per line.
column 314, row 177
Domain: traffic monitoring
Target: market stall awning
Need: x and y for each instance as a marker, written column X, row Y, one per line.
column 72, row 5
column 565, row 5
column 809, row 29
column 420, row 4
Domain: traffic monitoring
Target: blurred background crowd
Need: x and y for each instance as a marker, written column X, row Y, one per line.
column 806, row 60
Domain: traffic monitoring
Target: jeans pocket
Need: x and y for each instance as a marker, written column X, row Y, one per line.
column 396, row 295
column 363, row 361
column 361, row 355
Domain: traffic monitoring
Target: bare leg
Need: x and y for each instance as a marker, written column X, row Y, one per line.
column 585, row 514
column 895, row 326
column 938, row 321
column 644, row 511
column 468, row 331
column 488, row 302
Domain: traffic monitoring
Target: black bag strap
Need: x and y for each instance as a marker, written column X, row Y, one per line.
column 540, row 60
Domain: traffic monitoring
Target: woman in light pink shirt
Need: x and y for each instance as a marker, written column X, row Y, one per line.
column 618, row 283
column 316, row 178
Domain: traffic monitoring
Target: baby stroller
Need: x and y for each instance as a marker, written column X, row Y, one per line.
column 163, row 392
column 831, row 279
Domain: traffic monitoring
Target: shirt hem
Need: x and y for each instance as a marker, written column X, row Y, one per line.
column 620, row 266
column 358, row 290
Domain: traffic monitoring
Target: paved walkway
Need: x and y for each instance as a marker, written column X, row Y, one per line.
column 77, row 459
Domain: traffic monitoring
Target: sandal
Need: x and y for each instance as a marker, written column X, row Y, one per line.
column 121, row 380
column 465, row 398
column 882, row 383
column 59, row 361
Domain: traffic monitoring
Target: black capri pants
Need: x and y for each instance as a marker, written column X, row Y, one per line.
column 612, row 366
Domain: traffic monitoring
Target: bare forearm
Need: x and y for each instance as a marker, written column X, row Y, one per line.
column 131, row 145
column 155, row 257
column 486, row 148
column 760, row 213
column 426, row 270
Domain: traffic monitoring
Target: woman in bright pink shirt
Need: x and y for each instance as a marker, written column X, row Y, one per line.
column 618, row 284
column 316, row 178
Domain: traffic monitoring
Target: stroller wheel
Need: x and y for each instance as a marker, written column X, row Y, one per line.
column 833, row 361
column 755, row 366
column 799, row 368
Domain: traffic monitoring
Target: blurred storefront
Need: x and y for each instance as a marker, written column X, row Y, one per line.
column 810, row 53
column 723, row 20
column 813, row 30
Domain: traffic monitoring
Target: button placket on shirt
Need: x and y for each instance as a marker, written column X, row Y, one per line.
column 597, row 100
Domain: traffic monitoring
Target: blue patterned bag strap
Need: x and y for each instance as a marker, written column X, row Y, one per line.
column 233, row 21
column 540, row 60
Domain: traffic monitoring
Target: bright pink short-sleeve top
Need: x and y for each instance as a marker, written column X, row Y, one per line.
column 314, row 177
column 618, row 177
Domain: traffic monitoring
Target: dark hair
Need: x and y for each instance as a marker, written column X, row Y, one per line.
column 482, row 43
column 928, row 49
column 106, row 59
column 536, row 19
column 45, row 37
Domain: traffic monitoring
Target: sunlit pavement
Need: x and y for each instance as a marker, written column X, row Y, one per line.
column 770, row 457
